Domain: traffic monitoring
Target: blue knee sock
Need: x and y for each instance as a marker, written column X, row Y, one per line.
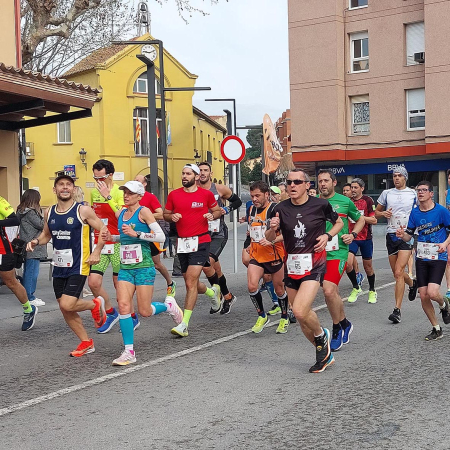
column 271, row 291
column 127, row 328
column 158, row 308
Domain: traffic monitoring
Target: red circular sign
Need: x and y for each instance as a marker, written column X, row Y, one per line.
column 232, row 149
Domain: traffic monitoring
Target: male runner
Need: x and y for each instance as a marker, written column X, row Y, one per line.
column 302, row 221
column 347, row 190
column 275, row 194
column 362, row 242
column 266, row 258
column 219, row 234
column 189, row 208
column 337, row 254
column 152, row 203
column 395, row 205
column 312, row 192
column 432, row 222
column 8, row 261
column 284, row 195
column 67, row 224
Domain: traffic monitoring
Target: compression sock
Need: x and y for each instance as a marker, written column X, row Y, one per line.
column 127, row 328
column 256, row 298
column 283, row 302
column 158, row 308
column 187, row 316
column 27, row 307
column 352, row 277
column 223, row 285
column 371, row 280
column 344, row 323
column 271, row 291
column 214, row 279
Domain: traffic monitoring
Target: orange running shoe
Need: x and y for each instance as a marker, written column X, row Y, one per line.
column 99, row 313
column 84, row 348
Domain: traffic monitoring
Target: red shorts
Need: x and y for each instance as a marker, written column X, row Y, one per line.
column 335, row 270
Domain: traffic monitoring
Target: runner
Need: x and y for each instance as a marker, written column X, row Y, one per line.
column 363, row 241
column 189, row 208
column 395, row 205
column 432, row 222
column 266, row 258
column 447, row 205
column 219, row 234
column 337, row 254
column 8, row 263
column 275, row 194
column 67, row 225
column 347, row 190
column 138, row 228
column 106, row 200
column 312, row 192
column 284, row 195
column 302, row 221
column 151, row 202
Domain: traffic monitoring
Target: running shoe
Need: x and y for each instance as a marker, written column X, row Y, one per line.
column 372, row 297
column 37, row 302
column 227, row 304
column 323, row 350
column 263, row 287
column 319, row 367
column 172, row 289
column 448, row 295
column 291, row 316
column 99, row 313
column 83, row 348
column 136, row 322
column 87, row 293
column 180, row 330
column 173, row 309
column 337, row 339
column 260, row 324
column 283, row 326
column 29, row 319
column 445, row 312
column 396, row 316
column 111, row 320
column 216, row 301
column 413, row 291
column 360, row 278
column 127, row 357
column 347, row 332
column 354, row 295
column 274, row 310
column 434, row 335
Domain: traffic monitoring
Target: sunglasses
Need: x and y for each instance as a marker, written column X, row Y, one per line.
column 103, row 177
column 296, row 182
column 422, row 190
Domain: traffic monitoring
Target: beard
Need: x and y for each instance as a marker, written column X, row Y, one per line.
column 188, row 183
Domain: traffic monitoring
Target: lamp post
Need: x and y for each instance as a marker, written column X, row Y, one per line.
column 83, row 154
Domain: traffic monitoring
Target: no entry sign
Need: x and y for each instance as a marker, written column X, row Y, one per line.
column 232, row 149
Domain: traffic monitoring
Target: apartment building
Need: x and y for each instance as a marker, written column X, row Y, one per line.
column 370, row 88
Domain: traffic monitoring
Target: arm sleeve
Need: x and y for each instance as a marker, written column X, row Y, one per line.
column 156, row 234
column 353, row 213
column 235, row 202
column 382, row 198
column 330, row 214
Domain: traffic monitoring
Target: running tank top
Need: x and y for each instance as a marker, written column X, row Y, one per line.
column 69, row 231
column 137, row 225
column 223, row 229
column 447, row 198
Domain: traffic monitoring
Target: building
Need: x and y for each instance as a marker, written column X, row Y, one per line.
column 118, row 130
column 369, row 88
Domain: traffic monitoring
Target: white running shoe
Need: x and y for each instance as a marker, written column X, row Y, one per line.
column 174, row 310
column 127, row 357
column 37, row 302
column 181, row 330
column 216, row 301
column 86, row 293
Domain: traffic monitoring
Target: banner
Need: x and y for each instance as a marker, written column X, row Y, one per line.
column 138, row 130
column 272, row 147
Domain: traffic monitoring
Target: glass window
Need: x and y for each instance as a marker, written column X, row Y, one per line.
column 415, row 42
column 141, row 132
column 358, row 3
column 415, row 101
column 360, row 114
column 359, row 47
column 140, row 85
column 64, row 133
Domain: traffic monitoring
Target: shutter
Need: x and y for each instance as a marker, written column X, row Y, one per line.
column 416, row 99
column 415, row 41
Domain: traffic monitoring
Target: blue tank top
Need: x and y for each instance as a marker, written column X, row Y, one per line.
column 447, row 198
column 70, row 232
column 137, row 225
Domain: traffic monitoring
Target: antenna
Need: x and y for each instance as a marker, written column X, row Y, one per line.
column 143, row 18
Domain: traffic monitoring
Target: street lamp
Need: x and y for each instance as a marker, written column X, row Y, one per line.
column 83, row 154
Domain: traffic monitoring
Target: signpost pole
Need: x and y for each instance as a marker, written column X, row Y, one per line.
column 235, row 234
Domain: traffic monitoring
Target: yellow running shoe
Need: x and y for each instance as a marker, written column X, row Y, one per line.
column 260, row 324
column 283, row 326
column 372, row 297
column 354, row 295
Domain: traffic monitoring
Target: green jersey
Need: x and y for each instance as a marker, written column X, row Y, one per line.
column 345, row 208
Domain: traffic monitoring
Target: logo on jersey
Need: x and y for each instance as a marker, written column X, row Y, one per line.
column 299, row 230
column 52, row 221
column 70, row 220
column 197, row 205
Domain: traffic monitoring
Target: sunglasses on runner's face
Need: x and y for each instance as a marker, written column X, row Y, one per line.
column 296, row 182
column 103, row 177
column 422, row 190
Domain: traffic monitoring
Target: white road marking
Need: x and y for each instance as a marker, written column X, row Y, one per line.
column 131, row 369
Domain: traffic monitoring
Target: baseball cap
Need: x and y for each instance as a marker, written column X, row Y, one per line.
column 193, row 167
column 275, row 189
column 63, row 177
column 134, row 186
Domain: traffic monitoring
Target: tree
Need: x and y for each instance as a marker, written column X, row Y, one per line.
column 245, row 172
column 256, row 173
column 254, row 138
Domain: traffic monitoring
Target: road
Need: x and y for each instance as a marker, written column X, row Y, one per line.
column 224, row 387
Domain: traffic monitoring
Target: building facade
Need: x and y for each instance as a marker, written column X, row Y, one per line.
column 369, row 88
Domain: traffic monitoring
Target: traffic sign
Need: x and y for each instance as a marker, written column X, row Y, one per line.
column 232, row 149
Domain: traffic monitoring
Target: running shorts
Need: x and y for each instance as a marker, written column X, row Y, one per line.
column 8, row 262
column 365, row 246
column 270, row 267
column 217, row 245
column 106, row 260
column 198, row 258
column 71, row 286
column 144, row 276
column 394, row 244
column 429, row 272
column 154, row 250
column 335, row 270
column 293, row 283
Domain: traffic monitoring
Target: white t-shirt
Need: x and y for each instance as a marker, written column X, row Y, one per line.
column 402, row 201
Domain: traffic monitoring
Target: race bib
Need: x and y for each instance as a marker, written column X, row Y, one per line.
column 108, row 249
column 187, row 245
column 398, row 221
column 299, row 264
column 131, row 254
column 427, row 250
column 62, row 258
column 214, row 226
column 257, row 233
column 333, row 244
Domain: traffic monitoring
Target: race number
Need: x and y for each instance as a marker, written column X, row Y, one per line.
column 63, row 258
column 187, row 245
column 131, row 254
column 299, row 264
column 427, row 250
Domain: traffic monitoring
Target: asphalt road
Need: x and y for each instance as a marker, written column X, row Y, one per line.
column 223, row 387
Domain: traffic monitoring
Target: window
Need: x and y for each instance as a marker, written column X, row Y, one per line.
column 140, row 85
column 358, row 4
column 360, row 114
column 415, row 105
column 141, row 132
column 415, row 41
column 359, row 47
column 64, row 134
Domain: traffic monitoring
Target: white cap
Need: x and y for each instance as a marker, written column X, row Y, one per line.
column 193, row 167
column 134, row 186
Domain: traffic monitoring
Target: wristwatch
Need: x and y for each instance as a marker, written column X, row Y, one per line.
column 108, row 198
column 354, row 234
column 138, row 234
column 329, row 236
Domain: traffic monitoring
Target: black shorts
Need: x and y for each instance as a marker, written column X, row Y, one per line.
column 394, row 244
column 8, row 262
column 217, row 245
column 198, row 258
column 270, row 267
column 294, row 283
column 154, row 250
column 429, row 272
column 71, row 286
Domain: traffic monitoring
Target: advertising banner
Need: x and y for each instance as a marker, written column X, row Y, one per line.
column 272, row 147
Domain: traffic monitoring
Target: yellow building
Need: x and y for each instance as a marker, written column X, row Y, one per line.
column 111, row 132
